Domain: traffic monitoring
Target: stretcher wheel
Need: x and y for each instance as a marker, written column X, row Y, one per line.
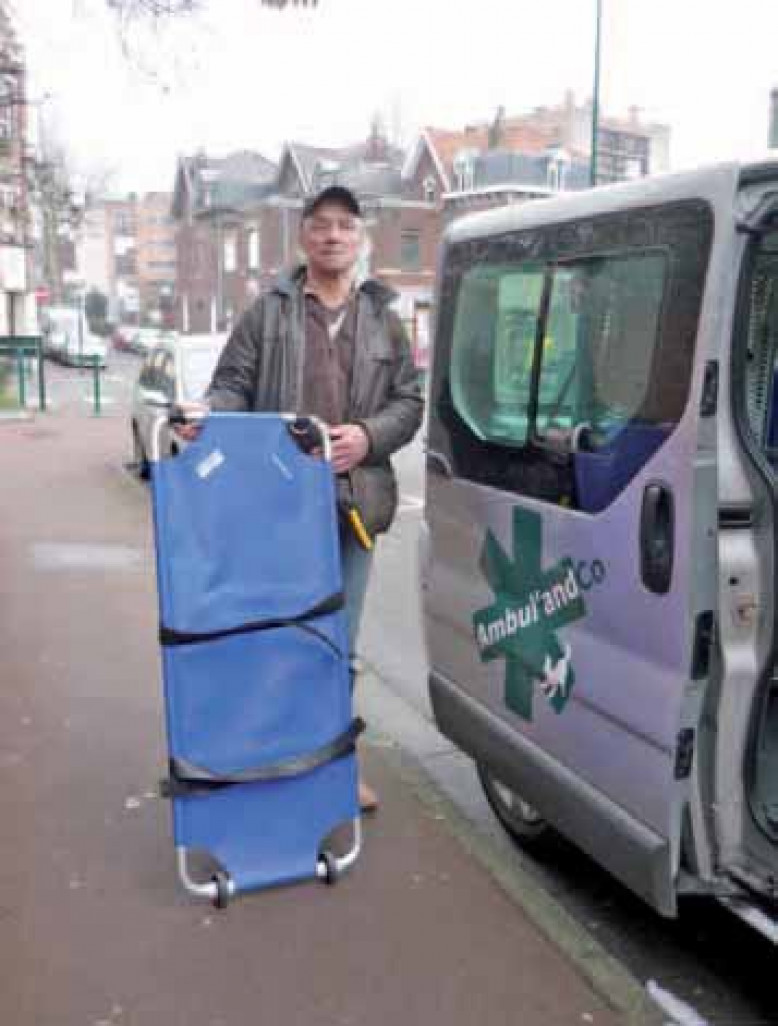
column 330, row 863
column 223, row 889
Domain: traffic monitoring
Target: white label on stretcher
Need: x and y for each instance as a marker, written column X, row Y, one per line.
column 209, row 464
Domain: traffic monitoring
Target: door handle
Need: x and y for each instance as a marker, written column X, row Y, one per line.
column 657, row 538
column 437, row 463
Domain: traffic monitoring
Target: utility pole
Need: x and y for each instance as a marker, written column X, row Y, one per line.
column 596, row 95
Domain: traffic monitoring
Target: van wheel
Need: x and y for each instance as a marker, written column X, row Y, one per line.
column 520, row 819
column 139, row 456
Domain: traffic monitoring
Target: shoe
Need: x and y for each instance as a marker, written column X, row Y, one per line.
column 368, row 799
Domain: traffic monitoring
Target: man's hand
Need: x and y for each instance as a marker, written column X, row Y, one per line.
column 196, row 414
column 350, row 445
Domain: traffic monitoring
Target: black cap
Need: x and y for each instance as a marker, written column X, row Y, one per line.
column 333, row 194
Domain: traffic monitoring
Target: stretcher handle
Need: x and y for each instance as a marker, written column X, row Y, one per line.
column 311, row 435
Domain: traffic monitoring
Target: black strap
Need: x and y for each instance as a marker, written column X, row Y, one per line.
column 187, row 779
column 170, row 636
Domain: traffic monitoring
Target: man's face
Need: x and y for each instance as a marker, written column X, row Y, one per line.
column 331, row 239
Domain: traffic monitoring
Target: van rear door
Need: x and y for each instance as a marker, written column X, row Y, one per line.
column 745, row 787
column 571, row 507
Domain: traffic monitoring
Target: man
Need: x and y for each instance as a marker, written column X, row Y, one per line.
column 322, row 343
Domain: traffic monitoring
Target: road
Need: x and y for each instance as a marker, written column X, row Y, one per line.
column 707, row 957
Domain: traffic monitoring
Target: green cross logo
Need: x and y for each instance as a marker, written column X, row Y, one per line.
column 530, row 606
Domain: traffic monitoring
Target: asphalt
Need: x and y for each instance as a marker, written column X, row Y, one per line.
column 431, row 926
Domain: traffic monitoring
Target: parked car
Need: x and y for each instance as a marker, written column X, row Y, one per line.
column 178, row 369
column 67, row 338
column 143, row 340
column 56, row 323
column 81, row 351
column 120, row 338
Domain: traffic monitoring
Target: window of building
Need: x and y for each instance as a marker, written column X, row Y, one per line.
column 464, row 169
column 230, row 252
column 558, row 167
column 410, row 250
column 430, row 190
column 254, row 249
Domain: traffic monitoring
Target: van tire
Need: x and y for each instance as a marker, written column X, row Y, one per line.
column 517, row 817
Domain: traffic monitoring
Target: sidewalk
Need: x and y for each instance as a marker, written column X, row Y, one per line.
column 428, row 928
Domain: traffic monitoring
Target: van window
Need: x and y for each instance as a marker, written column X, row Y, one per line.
column 494, row 341
column 603, row 328
column 592, row 325
column 564, row 354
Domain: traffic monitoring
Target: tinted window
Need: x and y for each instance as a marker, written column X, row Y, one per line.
column 590, row 329
column 761, row 363
column 599, row 349
column 564, row 355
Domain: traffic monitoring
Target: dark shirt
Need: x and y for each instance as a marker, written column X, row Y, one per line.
column 329, row 358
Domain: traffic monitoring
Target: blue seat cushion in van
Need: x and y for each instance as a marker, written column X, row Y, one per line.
column 601, row 475
column 772, row 419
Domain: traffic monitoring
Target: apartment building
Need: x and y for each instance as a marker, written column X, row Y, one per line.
column 125, row 248
column 17, row 305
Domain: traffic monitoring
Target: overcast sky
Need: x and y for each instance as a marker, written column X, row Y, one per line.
column 242, row 76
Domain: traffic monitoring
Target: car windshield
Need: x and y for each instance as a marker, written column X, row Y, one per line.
column 196, row 369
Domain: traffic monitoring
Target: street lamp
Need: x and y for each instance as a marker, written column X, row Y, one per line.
column 596, row 95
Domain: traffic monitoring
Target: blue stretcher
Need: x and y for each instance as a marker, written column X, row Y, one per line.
column 255, row 661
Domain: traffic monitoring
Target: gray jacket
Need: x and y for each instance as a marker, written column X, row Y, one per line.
column 261, row 368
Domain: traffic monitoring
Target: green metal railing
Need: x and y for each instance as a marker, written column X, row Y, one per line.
column 22, row 348
column 96, row 384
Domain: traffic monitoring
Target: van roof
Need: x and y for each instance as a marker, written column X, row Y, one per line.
column 716, row 183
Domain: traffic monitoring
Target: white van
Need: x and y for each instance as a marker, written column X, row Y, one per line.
column 599, row 566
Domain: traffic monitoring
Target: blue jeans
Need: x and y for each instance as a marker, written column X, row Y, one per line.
column 356, row 573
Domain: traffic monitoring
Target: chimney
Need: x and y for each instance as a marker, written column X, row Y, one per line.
column 773, row 136
column 495, row 133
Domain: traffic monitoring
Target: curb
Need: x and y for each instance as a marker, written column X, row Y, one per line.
column 620, row 990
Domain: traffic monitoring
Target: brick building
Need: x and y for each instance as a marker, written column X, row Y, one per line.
column 233, row 243
column 238, row 218
column 17, row 305
column 626, row 147
column 122, row 247
column 125, row 248
column 210, row 200
column 155, row 257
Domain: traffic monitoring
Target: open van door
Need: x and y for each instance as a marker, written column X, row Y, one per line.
column 741, row 712
column 571, row 581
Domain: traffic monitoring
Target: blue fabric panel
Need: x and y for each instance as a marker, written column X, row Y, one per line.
column 269, row 834
column 246, row 530
column 600, row 476
column 247, row 525
column 772, row 414
column 253, row 699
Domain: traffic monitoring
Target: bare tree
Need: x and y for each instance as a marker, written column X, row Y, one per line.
column 127, row 9
column 156, row 9
column 63, row 194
